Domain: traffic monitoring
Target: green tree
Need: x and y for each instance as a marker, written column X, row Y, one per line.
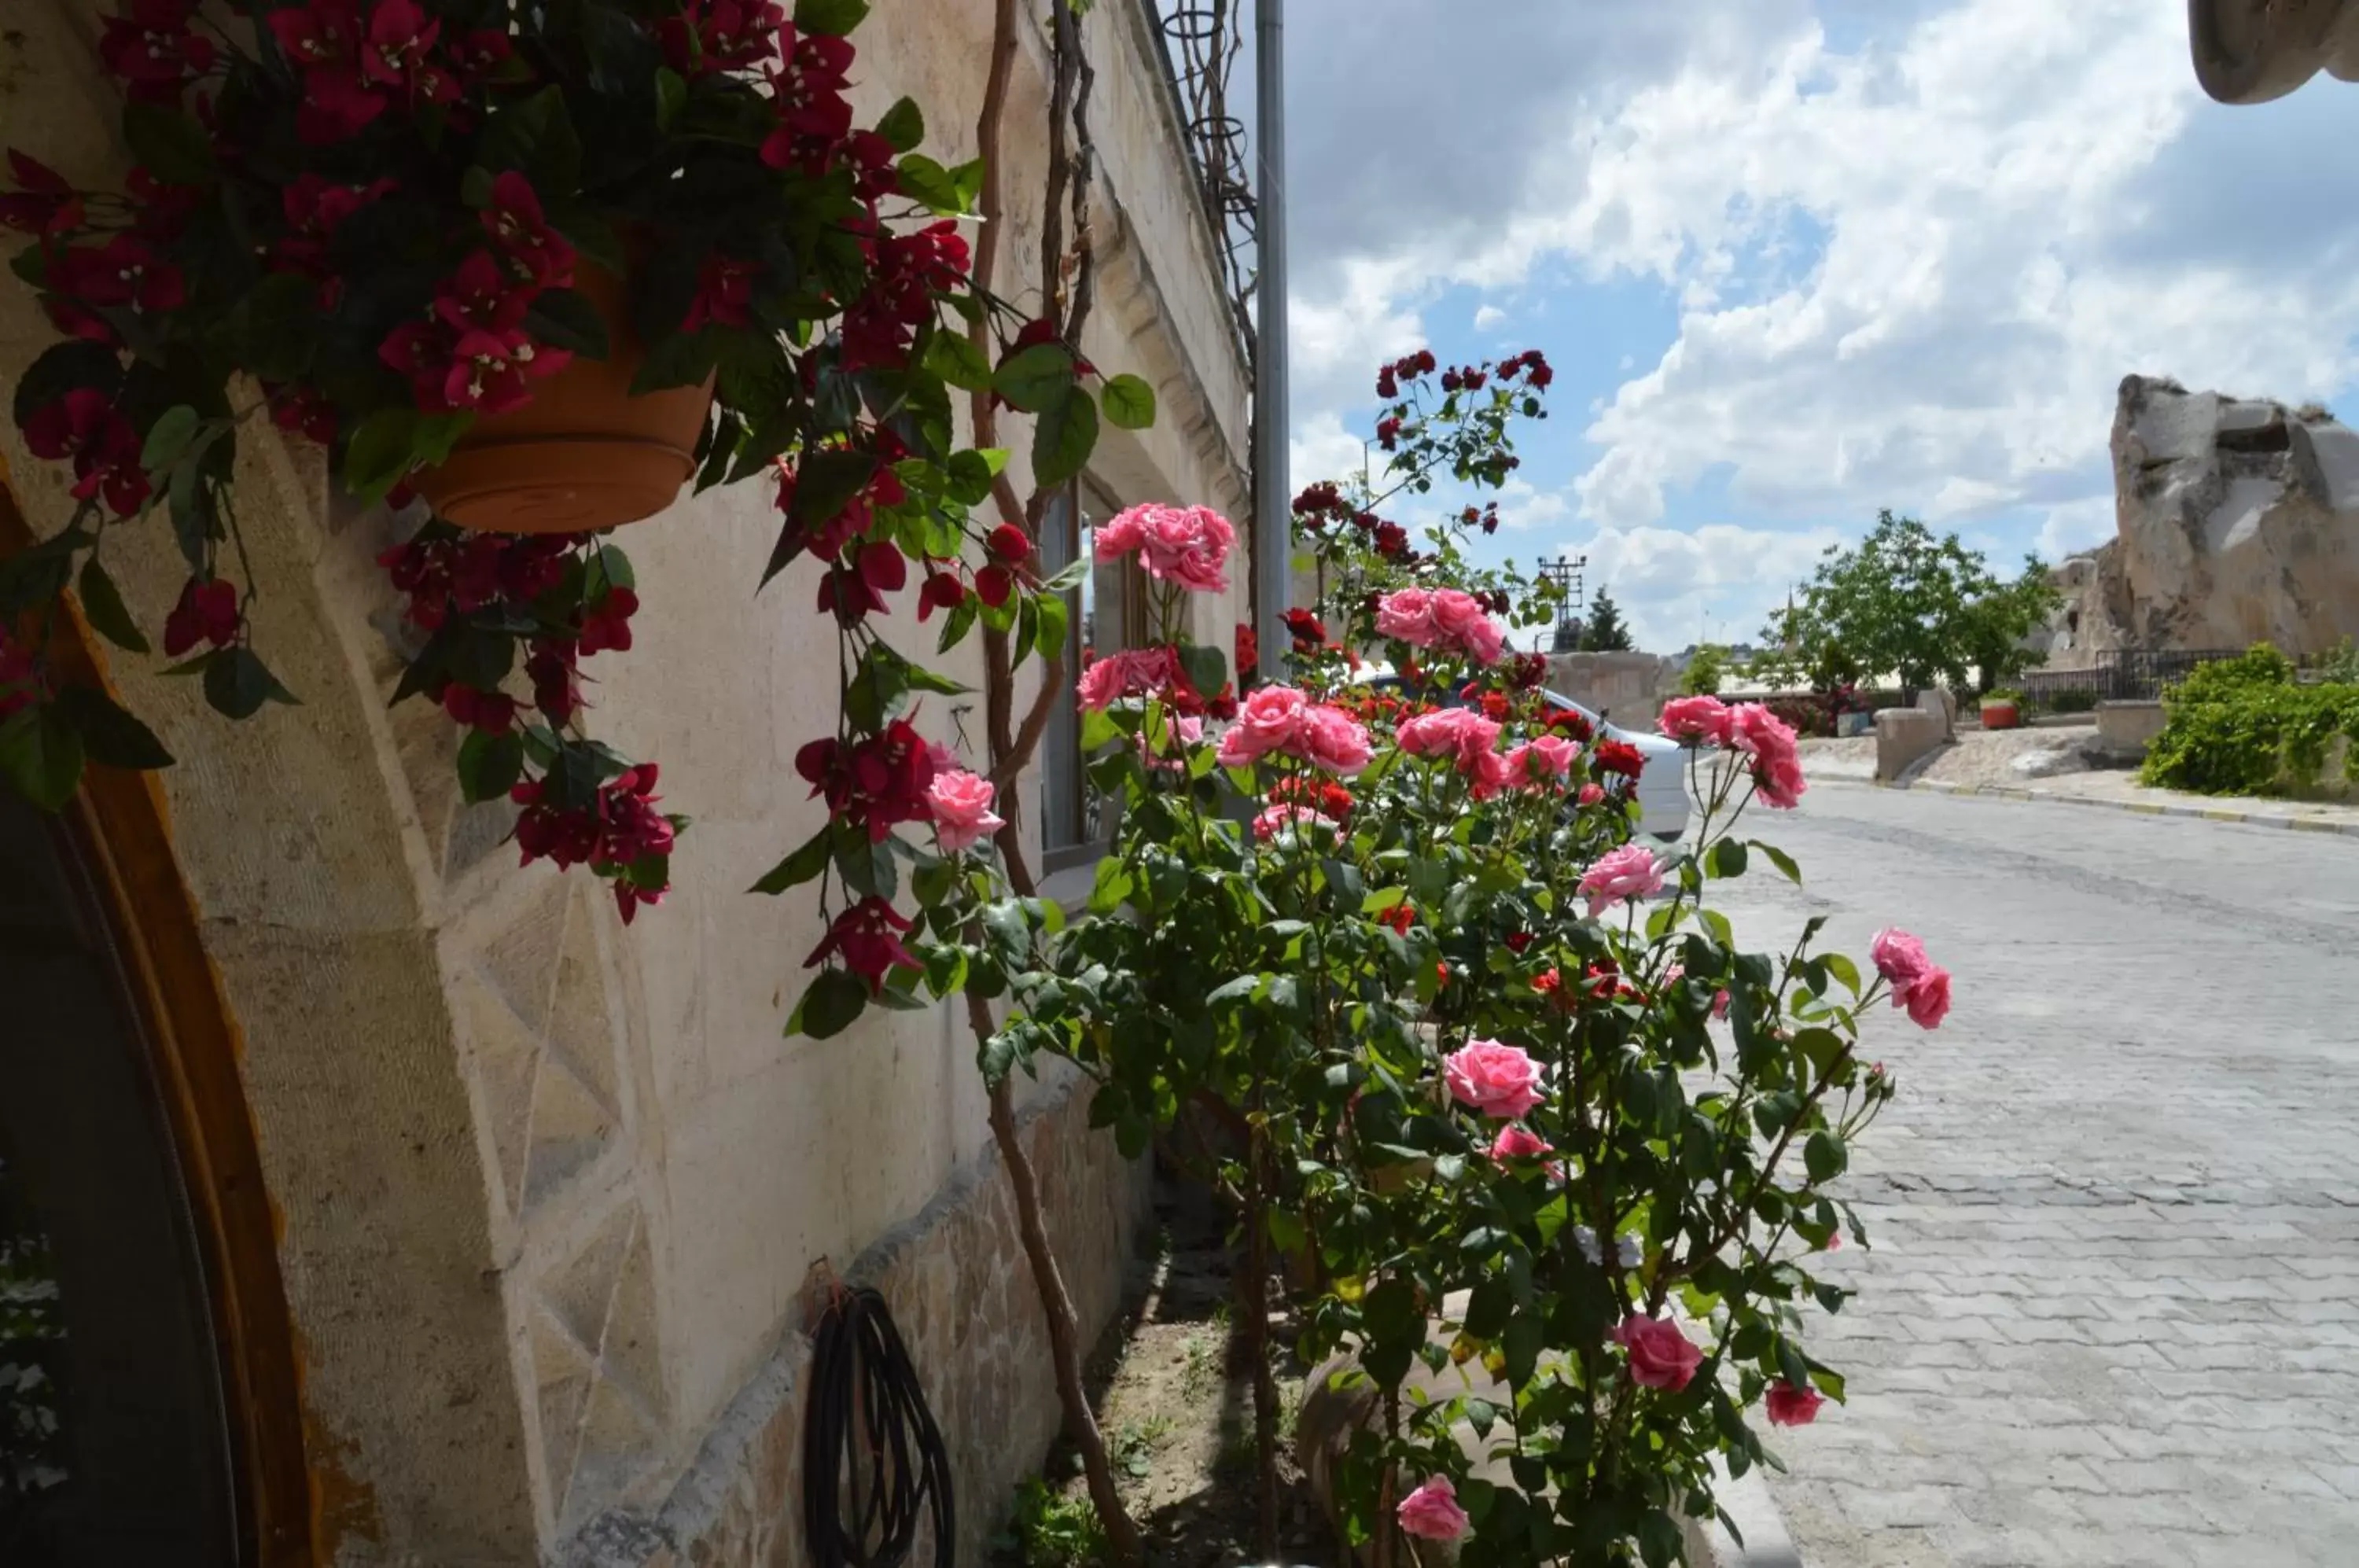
column 1903, row 602
column 1606, row 632
column 1705, row 671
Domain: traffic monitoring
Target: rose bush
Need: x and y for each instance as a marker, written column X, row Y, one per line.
column 1453, row 1045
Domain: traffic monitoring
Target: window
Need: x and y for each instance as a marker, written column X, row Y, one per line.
column 1109, row 613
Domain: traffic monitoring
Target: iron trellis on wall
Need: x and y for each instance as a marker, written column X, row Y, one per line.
column 1202, row 40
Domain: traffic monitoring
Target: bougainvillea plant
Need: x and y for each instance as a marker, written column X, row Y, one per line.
column 375, row 222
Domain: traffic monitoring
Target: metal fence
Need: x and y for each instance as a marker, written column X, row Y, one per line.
column 2127, row 675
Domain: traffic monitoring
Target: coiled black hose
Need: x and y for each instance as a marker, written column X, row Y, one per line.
column 868, row 1433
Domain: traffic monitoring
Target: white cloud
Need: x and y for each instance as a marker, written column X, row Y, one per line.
column 1911, row 265
column 1322, row 448
column 1488, row 318
column 1959, row 340
column 1717, row 582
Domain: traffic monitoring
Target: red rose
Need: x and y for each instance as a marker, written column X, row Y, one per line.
column 1010, row 544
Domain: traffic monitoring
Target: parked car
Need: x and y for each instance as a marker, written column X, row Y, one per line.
column 1663, row 799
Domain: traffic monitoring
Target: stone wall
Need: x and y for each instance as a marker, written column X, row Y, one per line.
column 550, row 1188
column 1632, row 685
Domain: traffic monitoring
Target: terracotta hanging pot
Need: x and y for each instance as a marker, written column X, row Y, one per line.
column 584, row 453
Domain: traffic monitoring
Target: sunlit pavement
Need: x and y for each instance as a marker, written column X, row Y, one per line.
column 2112, row 1314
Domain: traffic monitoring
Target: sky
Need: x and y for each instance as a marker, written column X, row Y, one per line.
column 1797, row 260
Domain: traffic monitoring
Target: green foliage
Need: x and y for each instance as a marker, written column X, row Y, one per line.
column 2341, row 666
column 1903, row 602
column 1604, row 631
column 2070, row 699
column 1051, row 1529
column 2246, row 727
column 1706, row 671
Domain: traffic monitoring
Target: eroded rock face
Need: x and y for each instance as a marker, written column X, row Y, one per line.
column 2237, row 522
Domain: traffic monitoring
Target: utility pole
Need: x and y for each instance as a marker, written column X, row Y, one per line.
column 1273, row 497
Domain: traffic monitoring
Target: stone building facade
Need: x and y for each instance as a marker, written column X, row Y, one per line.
column 542, row 1198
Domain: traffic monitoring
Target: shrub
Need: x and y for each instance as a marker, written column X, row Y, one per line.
column 2006, row 694
column 2070, row 699
column 2244, row 726
column 2341, row 666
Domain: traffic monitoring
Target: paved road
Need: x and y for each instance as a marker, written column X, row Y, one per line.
column 2112, row 1315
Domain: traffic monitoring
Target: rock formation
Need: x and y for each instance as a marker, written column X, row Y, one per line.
column 2236, row 522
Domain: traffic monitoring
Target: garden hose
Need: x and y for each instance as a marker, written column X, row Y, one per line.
column 870, row 1435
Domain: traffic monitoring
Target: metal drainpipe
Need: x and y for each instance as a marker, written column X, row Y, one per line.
column 1273, row 499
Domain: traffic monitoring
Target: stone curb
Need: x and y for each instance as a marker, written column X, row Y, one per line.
column 1748, row 1500
column 2140, row 807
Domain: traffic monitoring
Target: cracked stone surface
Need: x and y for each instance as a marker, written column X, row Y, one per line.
column 2112, row 1314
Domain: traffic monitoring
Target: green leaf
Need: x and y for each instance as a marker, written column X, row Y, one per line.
column 1726, row 858
column 167, row 438
column 825, row 482
column 1824, row 1157
column 1521, row 1347
column 1208, row 669
column 237, row 683
column 1129, row 403
column 1055, row 628
column 103, row 607
column 564, row 319
column 1062, row 439
column 957, row 361
column 671, row 97
column 489, row 765
column 830, row 18
column 904, row 126
column 1781, row 860
column 41, row 754
column 391, row 442
column 834, row 1002
column 167, row 144
column 1033, row 379
column 111, row 736
column 929, row 184
column 971, row 473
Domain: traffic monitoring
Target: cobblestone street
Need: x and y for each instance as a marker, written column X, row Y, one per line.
column 2112, row 1314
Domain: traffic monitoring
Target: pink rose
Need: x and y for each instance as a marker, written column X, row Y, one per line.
column 1720, row 1004
column 1485, row 642
column 1334, row 740
column 1917, row 983
column 1790, row 1406
column 1407, row 614
column 1629, row 872
column 1500, row 1080
column 1123, row 533
column 1185, row 730
column 1488, row 771
column 961, row 803
column 1542, row 761
column 1432, row 1512
column 1899, row 957
column 1460, row 622
column 1515, row 1143
column 1929, row 1000
column 1660, row 1355
column 1776, row 760
column 1269, row 720
column 1590, row 794
column 1135, row 672
column 1460, row 733
column 1288, row 817
column 1696, row 718
column 1186, row 546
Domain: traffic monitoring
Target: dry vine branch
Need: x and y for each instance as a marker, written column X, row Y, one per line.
column 1009, row 752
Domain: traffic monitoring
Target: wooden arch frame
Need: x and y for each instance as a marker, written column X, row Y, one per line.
column 119, row 822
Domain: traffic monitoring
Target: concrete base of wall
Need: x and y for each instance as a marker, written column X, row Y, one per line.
column 1905, row 736
column 2128, row 728
column 962, row 1296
